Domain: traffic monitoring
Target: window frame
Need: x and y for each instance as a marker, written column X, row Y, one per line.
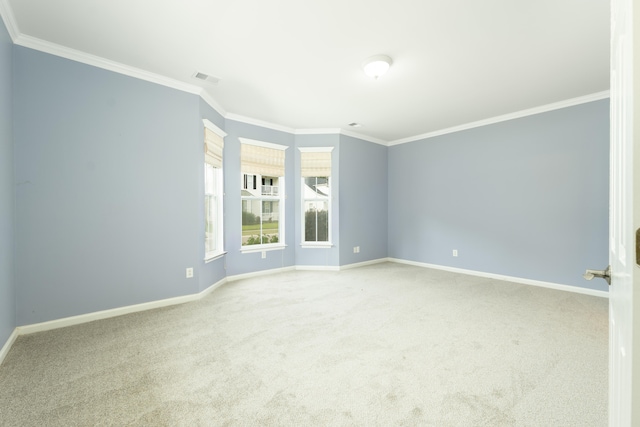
column 218, row 194
column 315, row 244
column 280, row 198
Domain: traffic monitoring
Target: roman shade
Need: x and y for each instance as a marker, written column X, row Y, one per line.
column 259, row 160
column 315, row 163
column 213, row 146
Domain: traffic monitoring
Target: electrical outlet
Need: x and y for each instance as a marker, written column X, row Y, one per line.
column 264, row 254
column 189, row 273
column 455, row 252
column 358, row 249
column 355, row 249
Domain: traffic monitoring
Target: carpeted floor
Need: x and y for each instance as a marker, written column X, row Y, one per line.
column 383, row 345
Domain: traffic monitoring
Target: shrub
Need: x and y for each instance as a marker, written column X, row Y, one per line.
column 310, row 226
column 256, row 240
column 250, row 219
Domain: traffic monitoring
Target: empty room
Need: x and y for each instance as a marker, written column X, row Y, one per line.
column 312, row 213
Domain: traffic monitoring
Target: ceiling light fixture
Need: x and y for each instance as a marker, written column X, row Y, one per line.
column 376, row 66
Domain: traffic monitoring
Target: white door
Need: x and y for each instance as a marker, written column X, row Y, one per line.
column 621, row 227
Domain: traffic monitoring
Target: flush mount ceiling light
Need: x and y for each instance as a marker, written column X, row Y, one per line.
column 376, row 66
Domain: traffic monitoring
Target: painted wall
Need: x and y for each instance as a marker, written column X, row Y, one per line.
column 7, row 289
column 109, row 184
column 243, row 263
column 525, row 198
column 211, row 272
column 107, row 172
column 363, row 200
column 325, row 257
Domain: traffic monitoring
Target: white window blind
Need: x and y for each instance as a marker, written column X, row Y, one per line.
column 262, row 160
column 315, row 163
column 213, row 146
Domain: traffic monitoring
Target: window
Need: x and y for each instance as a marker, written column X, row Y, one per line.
column 213, row 147
column 249, row 182
column 315, row 170
column 262, row 193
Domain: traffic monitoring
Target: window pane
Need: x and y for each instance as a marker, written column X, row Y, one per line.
column 209, row 179
column 316, row 221
column 270, row 221
column 251, row 230
column 322, row 186
column 210, row 230
column 310, row 182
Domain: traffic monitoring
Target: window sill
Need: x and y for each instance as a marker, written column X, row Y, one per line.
column 260, row 248
column 214, row 256
column 309, row 245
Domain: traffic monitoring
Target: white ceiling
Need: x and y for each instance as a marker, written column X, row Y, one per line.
column 297, row 63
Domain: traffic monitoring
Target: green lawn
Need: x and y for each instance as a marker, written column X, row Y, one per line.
column 267, row 227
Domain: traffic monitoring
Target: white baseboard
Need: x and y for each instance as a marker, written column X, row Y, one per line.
column 212, row 288
column 259, row 273
column 105, row 314
column 7, row 346
column 557, row 286
column 317, row 268
column 364, row 263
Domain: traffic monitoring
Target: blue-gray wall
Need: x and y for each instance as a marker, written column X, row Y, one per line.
column 319, row 257
column 243, row 263
column 363, row 200
column 107, row 208
column 7, row 289
column 525, row 198
column 107, row 172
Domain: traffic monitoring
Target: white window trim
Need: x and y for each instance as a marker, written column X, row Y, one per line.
column 316, row 245
column 246, row 249
column 263, row 248
column 262, row 144
column 319, row 245
column 219, row 252
column 213, row 128
column 315, row 149
column 214, row 256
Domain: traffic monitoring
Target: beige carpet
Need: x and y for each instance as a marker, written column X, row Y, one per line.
column 384, row 345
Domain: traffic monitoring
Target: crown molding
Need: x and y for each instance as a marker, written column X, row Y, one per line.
column 516, row 115
column 6, row 13
column 107, row 64
column 339, row 131
column 9, row 19
column 206, row 97
column 261, row 123
column 117, row 67
column 364, row 137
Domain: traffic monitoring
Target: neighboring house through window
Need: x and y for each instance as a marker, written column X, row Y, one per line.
column 213, row 193
column 262, row 194
column 315, row 170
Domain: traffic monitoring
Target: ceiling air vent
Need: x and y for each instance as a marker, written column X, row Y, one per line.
column 355, row 125
column 206, row 78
